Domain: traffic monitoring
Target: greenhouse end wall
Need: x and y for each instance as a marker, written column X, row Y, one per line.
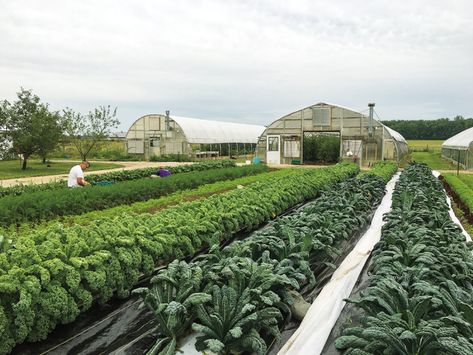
column 361, row 138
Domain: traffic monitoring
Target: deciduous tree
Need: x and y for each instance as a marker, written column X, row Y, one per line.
column 87, row 131
column 28, row 123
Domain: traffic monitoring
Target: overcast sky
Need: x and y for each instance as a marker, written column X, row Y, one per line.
column 246, row 61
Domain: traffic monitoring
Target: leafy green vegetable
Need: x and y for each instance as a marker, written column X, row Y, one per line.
column 106, row 258
column 44, row 205
column 419, row 298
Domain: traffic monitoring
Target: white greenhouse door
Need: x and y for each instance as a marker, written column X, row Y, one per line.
column 273, row 150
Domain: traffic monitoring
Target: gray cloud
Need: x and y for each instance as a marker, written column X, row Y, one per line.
column 252, row 61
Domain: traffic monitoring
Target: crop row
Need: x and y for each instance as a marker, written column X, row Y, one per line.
column 463, row 191
column 45, row 205
column 419, row 299
column 50, row 276
column 151, row 205
column 115, row 176
column 237, row 298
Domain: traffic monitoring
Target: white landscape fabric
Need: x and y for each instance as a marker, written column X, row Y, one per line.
column 314, row 330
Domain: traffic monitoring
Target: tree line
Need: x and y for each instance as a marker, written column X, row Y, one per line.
column 440, row 129
column 29, row 127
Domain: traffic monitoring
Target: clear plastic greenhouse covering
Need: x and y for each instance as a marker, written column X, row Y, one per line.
column 202, row 131
column 395, row 134
column 461, row 140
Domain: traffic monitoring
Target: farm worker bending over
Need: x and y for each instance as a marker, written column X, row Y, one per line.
column 76, row 175
column 163, row 172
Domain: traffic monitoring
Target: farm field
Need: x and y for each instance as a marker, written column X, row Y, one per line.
column 103, row 267
column 44, row 205
column 10, row 169
column 153, row 205
column 425, row 145
column 228, row 259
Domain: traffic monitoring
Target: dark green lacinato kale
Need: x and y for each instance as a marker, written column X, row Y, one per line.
column 251, row 281
column 419, row 299
column 173, row 297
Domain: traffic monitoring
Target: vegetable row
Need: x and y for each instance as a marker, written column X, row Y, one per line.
column 420, row 294
column 151, row 205
column 116, row 176
column 50, row 276
column 237, row 298
column 45, row 205
column 461, row 186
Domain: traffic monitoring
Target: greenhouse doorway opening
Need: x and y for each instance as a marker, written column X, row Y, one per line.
column 273, row 149
column 321, row 147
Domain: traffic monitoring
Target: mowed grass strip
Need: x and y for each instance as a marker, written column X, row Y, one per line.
column 11, row 169
column 433, row 160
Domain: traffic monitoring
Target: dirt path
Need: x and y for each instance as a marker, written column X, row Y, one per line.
column 127, row 165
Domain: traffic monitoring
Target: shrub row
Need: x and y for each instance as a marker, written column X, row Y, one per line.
column 45, row 205
column 114, row 176
column 49, row 277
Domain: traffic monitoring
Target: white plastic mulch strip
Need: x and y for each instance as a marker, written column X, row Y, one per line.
column 450, row 211
column 313, row 332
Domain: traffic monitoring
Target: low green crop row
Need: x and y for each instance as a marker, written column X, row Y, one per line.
column 46, row 205
column 464, row 192
column 50, row 276
column 420, row 294
column 383, row 168
column 115, row 176
column 241, row 294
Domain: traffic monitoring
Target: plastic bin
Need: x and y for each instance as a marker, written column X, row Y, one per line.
column 256, row 160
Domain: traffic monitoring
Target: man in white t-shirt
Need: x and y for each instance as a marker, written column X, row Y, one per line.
column 76, row 175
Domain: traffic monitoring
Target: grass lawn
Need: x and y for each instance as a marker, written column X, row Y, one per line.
column 11, row 169
column 467, row 179
column 425, row 145
column 433, row 160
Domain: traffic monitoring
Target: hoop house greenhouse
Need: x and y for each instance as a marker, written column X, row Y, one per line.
column 457, row 148
column 157, row 135
column 360, row 137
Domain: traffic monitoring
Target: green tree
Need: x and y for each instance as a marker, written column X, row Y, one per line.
column 26, row 123
column 86, row 132
column 50, row 131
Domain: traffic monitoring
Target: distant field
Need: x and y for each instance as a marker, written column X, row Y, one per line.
column 11, row 169
column 425, row 145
